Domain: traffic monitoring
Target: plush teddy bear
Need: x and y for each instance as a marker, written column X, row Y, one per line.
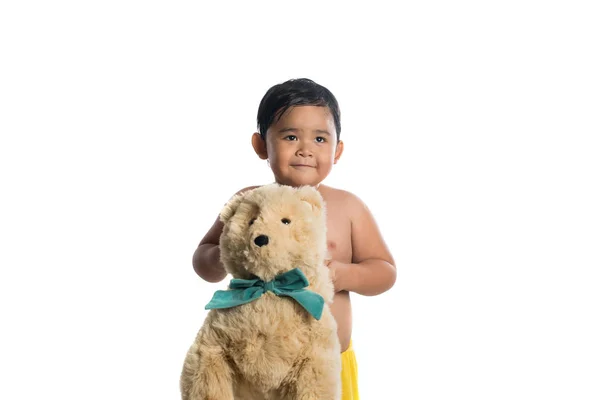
column 271, row 334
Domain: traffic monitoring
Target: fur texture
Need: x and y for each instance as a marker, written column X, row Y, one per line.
column 270, row 348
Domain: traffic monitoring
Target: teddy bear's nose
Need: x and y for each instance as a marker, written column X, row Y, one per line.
column 261, row 240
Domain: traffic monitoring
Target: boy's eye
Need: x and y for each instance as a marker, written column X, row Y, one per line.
column 286, row 221
column 320, row 139
column 291, row 137
column 252, row 221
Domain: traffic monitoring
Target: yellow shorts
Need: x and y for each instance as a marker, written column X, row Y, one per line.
column 349, row 375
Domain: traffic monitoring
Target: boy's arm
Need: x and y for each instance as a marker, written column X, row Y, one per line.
column 372, row 270
column 207, row 257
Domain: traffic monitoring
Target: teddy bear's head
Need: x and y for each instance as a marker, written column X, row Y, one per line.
column 273, row 229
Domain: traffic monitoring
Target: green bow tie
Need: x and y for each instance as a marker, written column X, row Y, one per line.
column 290, row 284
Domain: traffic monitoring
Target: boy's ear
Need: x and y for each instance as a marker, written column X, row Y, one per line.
column 339, row 149
column 260, row 146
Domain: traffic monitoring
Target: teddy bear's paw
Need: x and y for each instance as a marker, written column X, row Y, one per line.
column 206, row 375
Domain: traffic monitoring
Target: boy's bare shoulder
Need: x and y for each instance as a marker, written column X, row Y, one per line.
column 333, row 194
column 247, row 188
column 241, row 191
column 367, row 240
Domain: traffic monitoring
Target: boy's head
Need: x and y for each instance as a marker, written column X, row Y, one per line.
column 295, row 92
column 299, row 132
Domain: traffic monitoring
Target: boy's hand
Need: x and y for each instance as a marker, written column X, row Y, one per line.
column 337, row 272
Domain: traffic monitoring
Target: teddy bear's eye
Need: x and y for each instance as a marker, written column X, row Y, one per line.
column 252, row 221
column 286, row 221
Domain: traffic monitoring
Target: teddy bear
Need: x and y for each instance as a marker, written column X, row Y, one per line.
column 270, row 335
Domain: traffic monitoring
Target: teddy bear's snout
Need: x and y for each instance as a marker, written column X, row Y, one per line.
column 261, row 240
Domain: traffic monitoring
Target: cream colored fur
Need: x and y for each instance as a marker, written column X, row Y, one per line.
column 270, row 348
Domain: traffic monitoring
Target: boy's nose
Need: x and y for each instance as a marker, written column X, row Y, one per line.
column 261, row 240
column 304, row 151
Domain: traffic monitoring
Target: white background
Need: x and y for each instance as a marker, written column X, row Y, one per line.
column 471, row 131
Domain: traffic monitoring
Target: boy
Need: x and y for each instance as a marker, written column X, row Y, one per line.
column 299, row 136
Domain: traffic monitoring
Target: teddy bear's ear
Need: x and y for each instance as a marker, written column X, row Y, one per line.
column 312, row 197
column 230, row 208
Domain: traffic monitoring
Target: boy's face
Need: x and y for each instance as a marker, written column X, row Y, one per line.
column 301, row 146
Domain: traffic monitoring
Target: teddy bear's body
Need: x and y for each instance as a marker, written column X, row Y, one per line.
column 269, row 347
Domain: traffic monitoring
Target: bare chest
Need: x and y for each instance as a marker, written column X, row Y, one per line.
column 339, row 236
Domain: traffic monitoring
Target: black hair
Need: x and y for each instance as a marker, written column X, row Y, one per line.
column 295, row 92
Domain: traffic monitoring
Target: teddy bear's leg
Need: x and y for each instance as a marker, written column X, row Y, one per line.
column 206, row 374
column 317, row 378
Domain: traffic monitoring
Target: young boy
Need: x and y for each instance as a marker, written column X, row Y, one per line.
column 299, row 136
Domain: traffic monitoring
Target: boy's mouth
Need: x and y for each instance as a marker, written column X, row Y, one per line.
column 303, row 165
